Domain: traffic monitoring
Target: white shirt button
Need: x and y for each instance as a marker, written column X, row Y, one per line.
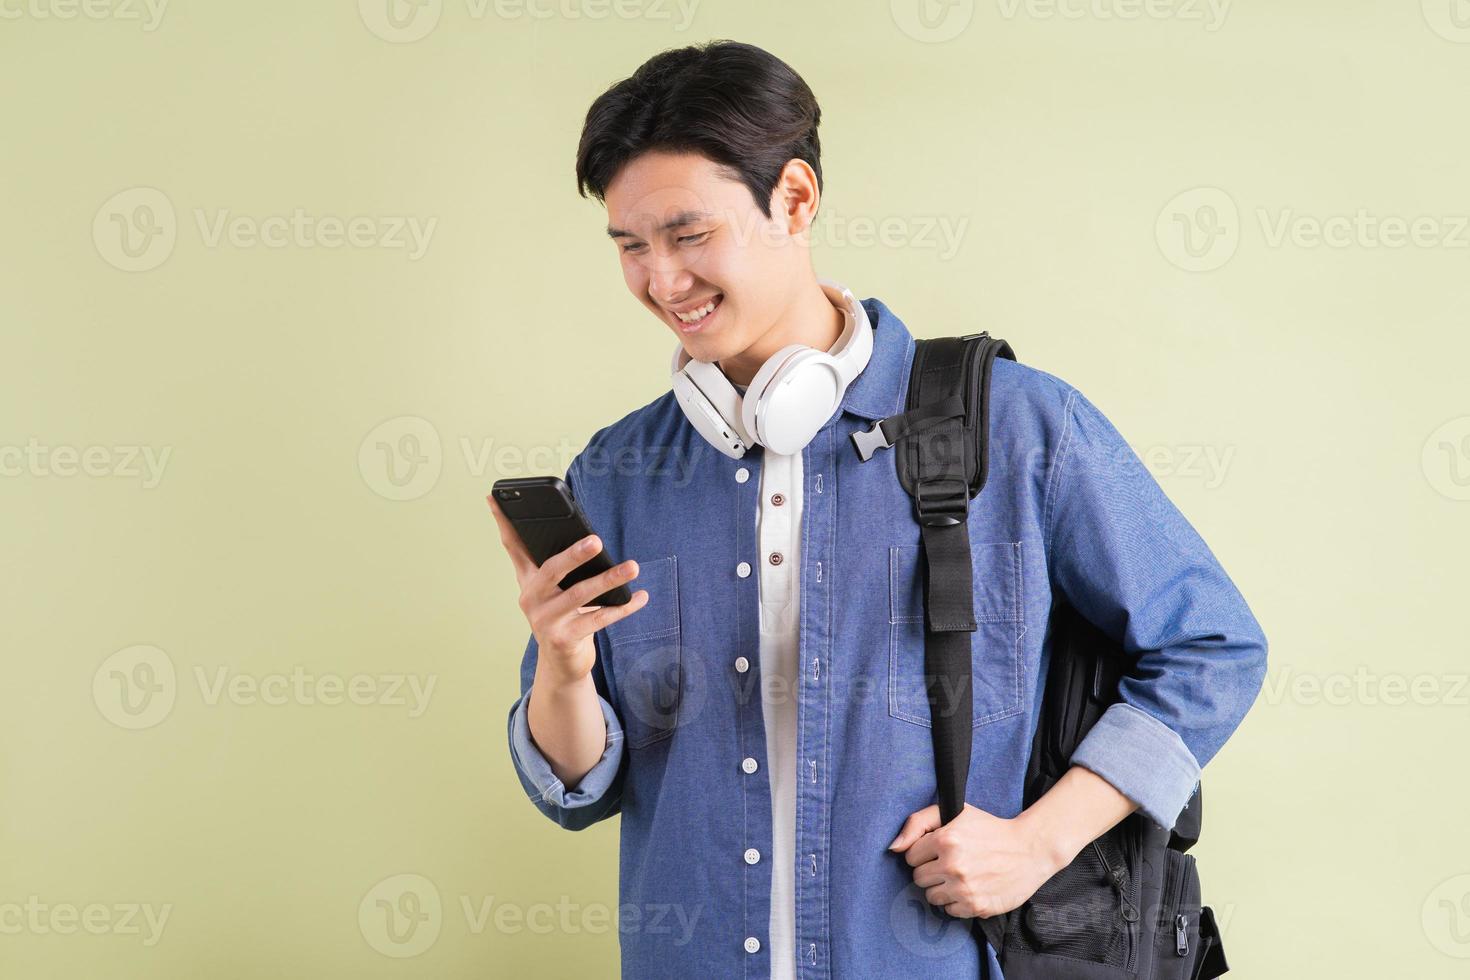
column 750, row 765
column 752, row 944
column 752, row 856
column 741, row 475
column 741, row 664
column 743, row 569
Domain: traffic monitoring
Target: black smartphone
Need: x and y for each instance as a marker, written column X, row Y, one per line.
column 546, row 516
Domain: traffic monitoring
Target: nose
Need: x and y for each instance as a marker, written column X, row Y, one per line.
column 668, row 284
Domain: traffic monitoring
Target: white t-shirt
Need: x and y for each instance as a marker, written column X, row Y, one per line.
column 780, row 621
column 779, row 532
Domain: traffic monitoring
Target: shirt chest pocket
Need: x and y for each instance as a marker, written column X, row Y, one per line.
column 645, row 656
column 995, row 646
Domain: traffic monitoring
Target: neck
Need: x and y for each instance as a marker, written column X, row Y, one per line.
column 811, row 319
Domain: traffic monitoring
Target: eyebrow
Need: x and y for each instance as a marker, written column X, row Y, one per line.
column 679, row 220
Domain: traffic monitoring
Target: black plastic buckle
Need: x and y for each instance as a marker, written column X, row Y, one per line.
column 941, row 502
column 868, row 443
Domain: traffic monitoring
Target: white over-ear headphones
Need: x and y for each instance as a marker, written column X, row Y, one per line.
column 790, row 398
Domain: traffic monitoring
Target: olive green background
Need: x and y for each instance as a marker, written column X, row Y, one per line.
column 1240, row 230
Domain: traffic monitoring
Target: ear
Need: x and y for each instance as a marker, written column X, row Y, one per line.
column 796, row 196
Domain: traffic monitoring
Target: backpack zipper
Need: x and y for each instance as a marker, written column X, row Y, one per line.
column 1175, row 896
column 1118, row 878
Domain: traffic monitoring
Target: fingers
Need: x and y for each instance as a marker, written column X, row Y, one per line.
column 583, row 592
column 918, row 824
column 590, row 622
column 929, row 875
column 556, row 568
column 923, row 850
column 941, row 896
column 520, row 558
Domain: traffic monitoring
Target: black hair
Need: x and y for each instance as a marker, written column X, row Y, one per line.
column 734, row 103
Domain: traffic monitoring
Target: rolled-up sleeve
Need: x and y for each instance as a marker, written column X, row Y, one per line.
column 1125, row 557
column 597, row 795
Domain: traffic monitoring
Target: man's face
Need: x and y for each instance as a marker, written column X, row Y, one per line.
column 686, row 236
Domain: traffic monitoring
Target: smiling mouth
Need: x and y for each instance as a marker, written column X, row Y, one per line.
column 699, row 314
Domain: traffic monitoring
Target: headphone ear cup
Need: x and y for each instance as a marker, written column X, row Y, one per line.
column 751, row 413
column 707, row 421
column 723, row 397
column 712, row 405
column 798, row 401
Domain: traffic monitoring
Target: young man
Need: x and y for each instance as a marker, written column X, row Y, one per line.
column 757, row 714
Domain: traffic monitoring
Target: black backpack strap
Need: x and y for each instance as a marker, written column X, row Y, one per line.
column 942, row 464
column 1187, row 827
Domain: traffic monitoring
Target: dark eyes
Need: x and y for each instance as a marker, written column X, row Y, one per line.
column 684, row 240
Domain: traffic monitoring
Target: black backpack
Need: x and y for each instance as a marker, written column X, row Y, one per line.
column 1128, row 906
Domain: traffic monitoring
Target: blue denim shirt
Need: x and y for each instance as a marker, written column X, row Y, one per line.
column 1068, row 509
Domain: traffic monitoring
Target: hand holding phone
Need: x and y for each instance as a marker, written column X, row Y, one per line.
column 569, row 593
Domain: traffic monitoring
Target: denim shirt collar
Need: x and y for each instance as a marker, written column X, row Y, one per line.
column 874, row 393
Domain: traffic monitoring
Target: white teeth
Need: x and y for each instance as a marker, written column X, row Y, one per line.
column 694, row 316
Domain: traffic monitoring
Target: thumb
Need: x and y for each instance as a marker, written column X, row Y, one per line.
column 919, row 823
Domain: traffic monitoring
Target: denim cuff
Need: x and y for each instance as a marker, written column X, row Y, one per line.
column 534, row 767
column 1144, row 759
